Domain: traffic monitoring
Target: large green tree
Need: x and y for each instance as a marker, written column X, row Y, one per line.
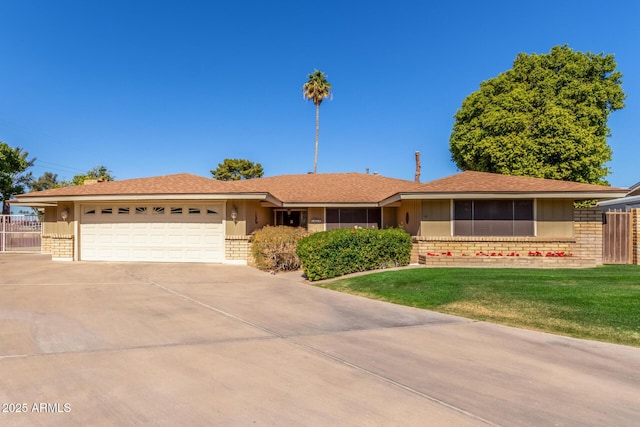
column 13, row 173
column 546, row 118
column 236, row 169
column 316, row 89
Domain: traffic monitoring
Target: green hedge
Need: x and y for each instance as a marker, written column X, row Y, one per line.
column 337, row 252
column 274, row 248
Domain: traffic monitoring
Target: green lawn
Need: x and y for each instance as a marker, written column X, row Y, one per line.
column 601, row 303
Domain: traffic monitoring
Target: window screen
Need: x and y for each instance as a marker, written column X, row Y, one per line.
column 493, row 218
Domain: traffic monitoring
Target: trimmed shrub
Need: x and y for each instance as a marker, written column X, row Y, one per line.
column 337, row 252
column 274, row 248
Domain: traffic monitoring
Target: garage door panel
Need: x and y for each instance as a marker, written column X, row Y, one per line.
column 121, row 239
column 152, row 237
column 138, row 254
column 194, row 240
column 105, row 239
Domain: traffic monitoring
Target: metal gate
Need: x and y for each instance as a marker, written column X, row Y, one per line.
column 20, row 233
column 617, row 242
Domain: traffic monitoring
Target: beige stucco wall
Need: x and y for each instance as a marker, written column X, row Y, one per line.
column 436, row 218
column 315, row 214
column 53, row 222
column 409, row 214
column 257, row 216
column 554, row 218
column 389, row 217
column 239, row 226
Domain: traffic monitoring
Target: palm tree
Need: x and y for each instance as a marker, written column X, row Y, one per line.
column 316, row 89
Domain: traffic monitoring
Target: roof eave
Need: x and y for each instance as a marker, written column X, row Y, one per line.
column 330, row 204
column 620, row 200
column 576, row 195
column 16, row 202
column 27, row 201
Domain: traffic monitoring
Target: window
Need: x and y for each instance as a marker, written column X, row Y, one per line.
column 194, row 211
column 90, row 211
column 292, row 218
column 176, row 211
column 106, row 211
column 141, row 210
column 353, row 217
column 158, row 210
column 493, row 218
column 212, row 212
column 123, row 211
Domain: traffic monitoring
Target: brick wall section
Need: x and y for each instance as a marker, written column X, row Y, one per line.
column 45, row 244
column 60, row 246
column 238, row 248
column 585, row 248
column 587, row 229
column 636, row 235
column 470, row 246
column 464, row 250
column 505, row 262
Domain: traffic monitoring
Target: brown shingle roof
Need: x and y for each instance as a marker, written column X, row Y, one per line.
column 308, row 188
column 327, row 188
column 483, row 182
column 339, row 188
column 183, row 183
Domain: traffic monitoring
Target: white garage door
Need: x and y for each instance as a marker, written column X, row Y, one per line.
column 165, row 232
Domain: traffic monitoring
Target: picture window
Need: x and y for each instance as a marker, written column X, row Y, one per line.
column 493, row 218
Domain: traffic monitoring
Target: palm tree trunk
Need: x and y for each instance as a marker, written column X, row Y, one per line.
column 315, row 158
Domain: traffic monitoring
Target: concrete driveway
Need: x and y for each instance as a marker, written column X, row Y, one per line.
column 187, row 344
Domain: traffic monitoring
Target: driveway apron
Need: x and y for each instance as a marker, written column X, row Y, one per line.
column 200, row 344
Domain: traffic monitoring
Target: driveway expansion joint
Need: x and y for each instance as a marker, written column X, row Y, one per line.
column 391, row 381
column 291, row 340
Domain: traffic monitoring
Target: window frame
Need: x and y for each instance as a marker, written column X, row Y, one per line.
column 334, row 218
column 494, row 218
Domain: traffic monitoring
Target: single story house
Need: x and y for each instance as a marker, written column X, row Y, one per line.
column 187, row 218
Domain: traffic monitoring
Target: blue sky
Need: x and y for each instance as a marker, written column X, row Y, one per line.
column 159, row 87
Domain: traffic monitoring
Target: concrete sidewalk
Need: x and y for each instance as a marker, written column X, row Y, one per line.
column 197, row 344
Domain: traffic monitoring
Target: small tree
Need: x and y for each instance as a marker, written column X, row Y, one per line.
column 237, row 169
column 545, row 118
column 13, row 175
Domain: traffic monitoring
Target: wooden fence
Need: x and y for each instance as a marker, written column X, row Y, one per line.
column 617, row 238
